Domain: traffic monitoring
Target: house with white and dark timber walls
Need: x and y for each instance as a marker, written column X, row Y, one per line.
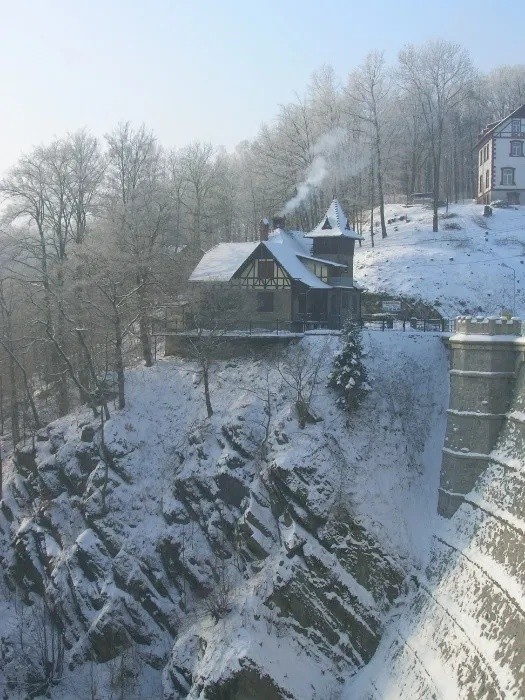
column 501, row 160
column 290, row 276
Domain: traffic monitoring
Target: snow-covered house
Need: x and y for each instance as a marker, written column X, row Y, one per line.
column 501, row 160
column 287, row 276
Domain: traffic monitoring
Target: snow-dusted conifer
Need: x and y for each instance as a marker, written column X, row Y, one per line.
column 349, row 376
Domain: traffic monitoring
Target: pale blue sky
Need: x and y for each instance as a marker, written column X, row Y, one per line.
column 205, row 70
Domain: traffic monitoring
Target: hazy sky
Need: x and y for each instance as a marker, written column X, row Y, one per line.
column 208, row 70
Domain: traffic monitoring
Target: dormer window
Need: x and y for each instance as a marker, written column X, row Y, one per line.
column 326, row 225
column 516, row 148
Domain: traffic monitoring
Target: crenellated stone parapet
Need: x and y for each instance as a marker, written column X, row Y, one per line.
column 491, row 325
column 485, row 356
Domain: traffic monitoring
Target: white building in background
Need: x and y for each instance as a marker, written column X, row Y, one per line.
column 501, row 160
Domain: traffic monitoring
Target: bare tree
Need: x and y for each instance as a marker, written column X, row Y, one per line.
column 204, row 345
column 197, row 162
column 132, row 156
column 138, row 214
column 503, row 91
column 50, row 193
column 300, row 370
column 439, row 74
column 7, row 342
column 368, row 101
column 15, row 360
column 87, row 169
column 39, row 660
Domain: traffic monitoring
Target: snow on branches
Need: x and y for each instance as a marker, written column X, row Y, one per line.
column 349, row 376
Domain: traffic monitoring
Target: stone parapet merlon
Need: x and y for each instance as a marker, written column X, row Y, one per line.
column 491, row 325
column 485, row 357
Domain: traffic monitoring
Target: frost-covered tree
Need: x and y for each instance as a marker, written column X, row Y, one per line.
column 349, row 375
column 368, row 98
column 439, row 76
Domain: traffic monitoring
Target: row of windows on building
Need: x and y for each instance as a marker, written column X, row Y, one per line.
column 516, row 150
column 484, row 154
column 507, row 178
column 267, row 270
column 265, row 302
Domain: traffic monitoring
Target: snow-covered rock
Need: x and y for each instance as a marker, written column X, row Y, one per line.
column 223, row 561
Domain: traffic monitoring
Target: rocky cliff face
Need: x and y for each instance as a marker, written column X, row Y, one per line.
column 237, row 557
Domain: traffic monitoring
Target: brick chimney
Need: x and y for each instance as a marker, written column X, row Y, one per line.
column 279, row 222
column 264, row 229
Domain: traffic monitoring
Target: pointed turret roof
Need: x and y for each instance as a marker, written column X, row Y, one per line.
column 334, row 224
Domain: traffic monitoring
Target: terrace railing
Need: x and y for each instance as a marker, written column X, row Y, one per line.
column 304, row 324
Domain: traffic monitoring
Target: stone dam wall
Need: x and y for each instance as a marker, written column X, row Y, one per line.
column 462, row 633
column 487, row 354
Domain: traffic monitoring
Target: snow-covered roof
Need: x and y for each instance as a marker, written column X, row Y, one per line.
column 519, row 112
column 221, row 262
column 288, row 247
column 322, row 260
column 334, row 224
column 291, row 249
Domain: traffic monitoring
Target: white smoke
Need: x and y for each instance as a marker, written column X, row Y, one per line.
column 323, row 149
column 330, row 158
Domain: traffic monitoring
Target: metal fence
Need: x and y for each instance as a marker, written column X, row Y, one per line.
column 436, row 325
column 278, row 327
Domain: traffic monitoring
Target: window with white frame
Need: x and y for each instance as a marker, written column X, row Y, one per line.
column 507, row 176
column 516, row 148
column 487, row 180
column 481, row 183
column 515, row 126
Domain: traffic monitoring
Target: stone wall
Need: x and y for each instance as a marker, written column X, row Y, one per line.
column 182, row 345
column 486, row 356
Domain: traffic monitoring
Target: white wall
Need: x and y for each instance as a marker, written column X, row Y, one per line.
column 502, row 138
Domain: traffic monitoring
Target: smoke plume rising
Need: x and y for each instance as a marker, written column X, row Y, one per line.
column 330, row 158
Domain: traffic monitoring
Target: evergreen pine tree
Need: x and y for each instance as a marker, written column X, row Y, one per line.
column 349, row 376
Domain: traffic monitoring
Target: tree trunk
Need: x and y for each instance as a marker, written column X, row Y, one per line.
column 144, row 328
column 435, row 223
column 205, row 377
column 119, row 363
column 63, row 404
column 380, row 177
column 15, row 420
column 372, row 202
column 9, row 347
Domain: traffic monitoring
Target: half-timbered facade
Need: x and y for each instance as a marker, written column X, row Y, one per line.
column 286, row 276
column 501, row 160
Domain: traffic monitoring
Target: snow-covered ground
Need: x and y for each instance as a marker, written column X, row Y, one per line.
column 181, row 481
column 382, row 464
column 479, row 268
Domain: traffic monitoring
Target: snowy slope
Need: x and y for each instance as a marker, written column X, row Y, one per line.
column 473, row 269
column 311, row 540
